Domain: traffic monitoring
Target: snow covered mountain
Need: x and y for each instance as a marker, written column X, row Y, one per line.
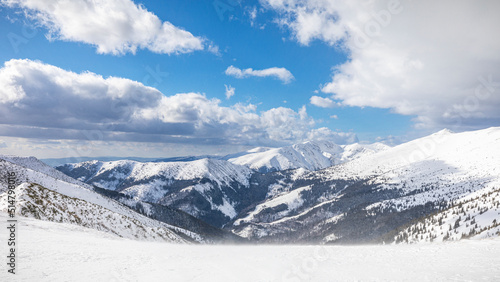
column 368, row 198
column 101, row 173
column 47, row 194
column 309, row 155
column 211, row 190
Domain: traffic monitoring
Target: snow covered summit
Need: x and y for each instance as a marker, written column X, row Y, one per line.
column 311, row 155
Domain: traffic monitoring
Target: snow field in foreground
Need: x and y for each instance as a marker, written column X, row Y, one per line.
column 50, row 251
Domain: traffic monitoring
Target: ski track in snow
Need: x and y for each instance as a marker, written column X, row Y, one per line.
column 50, row 251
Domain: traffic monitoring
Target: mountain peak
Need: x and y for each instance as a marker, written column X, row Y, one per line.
column 445, row 131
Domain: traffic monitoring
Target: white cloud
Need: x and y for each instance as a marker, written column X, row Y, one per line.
column 286, row 124
column 334, row 116
column 42, row 101
column 252, row 14
column 435, row 60
column 280, row 73
column 214, row 49
column 323, row 102
column 114, row 27
column 74, row 149
column 229, row 91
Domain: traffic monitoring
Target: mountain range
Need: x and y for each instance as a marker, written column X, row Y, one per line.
column 213, row 190
column 441, row 187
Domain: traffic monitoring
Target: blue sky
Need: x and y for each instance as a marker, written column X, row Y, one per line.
column 387, row 90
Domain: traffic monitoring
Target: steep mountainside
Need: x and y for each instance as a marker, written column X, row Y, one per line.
column 367, row 198
column 45, row 193
column 38, row 202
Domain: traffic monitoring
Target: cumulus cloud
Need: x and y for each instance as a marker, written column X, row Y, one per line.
column 112, row 26
column 280, row 73
column 38, row 100
column 229, row 91
column 435, row 60
column 323, row 102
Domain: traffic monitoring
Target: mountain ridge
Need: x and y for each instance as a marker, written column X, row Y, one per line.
column 48, row 194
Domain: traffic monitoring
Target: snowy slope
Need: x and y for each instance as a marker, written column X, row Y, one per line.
column 57, row 252
column 38, row 202
column 442, row 166
column 32, row 167
column 474, row 150
column 366, row 198
column 46, row 193
column 476, row 216
column 309, row 155
column 355, row 151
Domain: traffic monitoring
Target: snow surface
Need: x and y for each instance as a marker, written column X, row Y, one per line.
column 62, row 252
